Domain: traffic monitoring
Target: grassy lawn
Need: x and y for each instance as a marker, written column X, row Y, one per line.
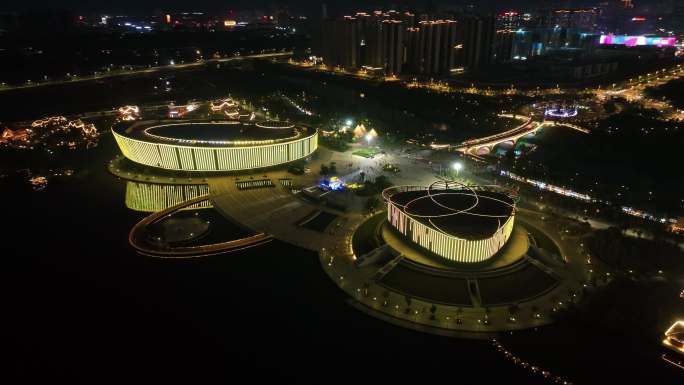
column 543, row 242
column 366, row 152
column 524, row 283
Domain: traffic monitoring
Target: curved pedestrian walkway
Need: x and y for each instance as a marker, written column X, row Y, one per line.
column 137, row 238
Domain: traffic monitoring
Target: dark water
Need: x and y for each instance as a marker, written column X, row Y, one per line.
column 81, row 307
column 84, row 308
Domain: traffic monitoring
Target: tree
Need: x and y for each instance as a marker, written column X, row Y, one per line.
column 381, row 183
column 366, row 287
column 433, row 311
column 372, row 203
column 513, row 309
column 534, row 310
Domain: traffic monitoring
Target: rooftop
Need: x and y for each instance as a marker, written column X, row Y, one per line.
column 211, row 133
column 458, row 212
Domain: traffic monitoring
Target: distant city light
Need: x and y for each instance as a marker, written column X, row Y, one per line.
column 561, row 112
column 547, row 186
column 128, row 113
column 633, row 41
column 673, row 337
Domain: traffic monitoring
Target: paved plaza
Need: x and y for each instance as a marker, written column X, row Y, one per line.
column 516, row 290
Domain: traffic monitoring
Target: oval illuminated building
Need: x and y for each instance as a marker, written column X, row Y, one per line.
column 214, row 145
column 460, row 223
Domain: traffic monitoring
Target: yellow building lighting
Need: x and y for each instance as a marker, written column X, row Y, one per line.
column 197, row 155
column 431, row 237
column 674, row 337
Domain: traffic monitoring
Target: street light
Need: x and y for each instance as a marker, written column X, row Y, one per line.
column 349, row 122
column 457, row 166
column 369, row 138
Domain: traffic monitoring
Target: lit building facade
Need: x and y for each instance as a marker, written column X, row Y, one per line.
column 373, row 41
column 583, row 19
column 420, row 226
column 509, row 20
column 198, row 155
column 477, row 35
column 433, row 47
column 397, row 43
column 343, row 41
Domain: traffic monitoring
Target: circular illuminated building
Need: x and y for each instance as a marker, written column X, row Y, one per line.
column 460, row 223
column 214, row 145
column 454, row 259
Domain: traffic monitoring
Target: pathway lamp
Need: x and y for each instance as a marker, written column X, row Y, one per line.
column 457, row 166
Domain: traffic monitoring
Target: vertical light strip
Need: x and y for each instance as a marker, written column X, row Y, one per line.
column 446, row 246
column 215, row 159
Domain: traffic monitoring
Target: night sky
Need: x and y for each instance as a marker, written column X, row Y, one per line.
column 306, row 6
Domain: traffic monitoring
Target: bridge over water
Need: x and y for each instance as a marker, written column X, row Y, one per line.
column 484, row 145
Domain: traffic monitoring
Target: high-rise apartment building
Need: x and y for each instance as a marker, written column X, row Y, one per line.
column 365, row 40
column 341, row 45
column 432, row 47
column 393, row 46
column 509, row 20
column 584, row 19
column 476, row 33
column 395, row 42
column 503, row 45
column 678, row 17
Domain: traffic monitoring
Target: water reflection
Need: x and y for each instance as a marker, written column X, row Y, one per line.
column 152, row 197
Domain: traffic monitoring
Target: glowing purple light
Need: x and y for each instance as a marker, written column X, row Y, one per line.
column 633, row 41
column 561, row 112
